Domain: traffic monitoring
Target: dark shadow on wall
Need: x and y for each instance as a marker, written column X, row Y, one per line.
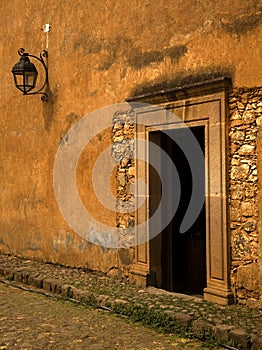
column 182, row 79
column 125, row 48
column 138, row 59
column 48, row 107
column 242, row 25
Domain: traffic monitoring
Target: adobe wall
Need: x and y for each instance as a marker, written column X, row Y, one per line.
column 100, row 54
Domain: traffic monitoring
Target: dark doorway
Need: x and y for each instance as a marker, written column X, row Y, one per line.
column 177, row 260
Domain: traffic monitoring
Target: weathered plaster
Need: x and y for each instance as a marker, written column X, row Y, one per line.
column 100, row 53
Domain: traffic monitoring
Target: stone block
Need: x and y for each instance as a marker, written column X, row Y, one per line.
column 38, row 281
column 259, row 121
column 103, row 299
column 32, row 277
column 233, row 148
column 183, row 318
column 247, row 209
column 58, row 288
column 66, row 290
column 25, row 276
column 249, row 117
column 236, row 116
column 247, row 276
column 122, row 179
column 53, row 285
column 238, row 135
column 249, row 226
column 237, row 192
column 6, row 271
column 48, row 284
column 79, row 294
column 240, row 172
column 18, row 277
column 131, row 171
column 257, row 343
column 236, row 122
column 240, row 338
column 222, row 331
column 240, row 105
column 202, row 329
column 246, row 150
column 235, row 214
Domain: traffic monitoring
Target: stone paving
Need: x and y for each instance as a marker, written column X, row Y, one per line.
column 236, row 327
column 33, row 322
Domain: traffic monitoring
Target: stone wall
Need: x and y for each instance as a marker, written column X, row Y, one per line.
column 245, row 107
column 245, row 121
column 123, row 152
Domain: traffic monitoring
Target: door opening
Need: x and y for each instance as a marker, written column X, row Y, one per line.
column 177, row 260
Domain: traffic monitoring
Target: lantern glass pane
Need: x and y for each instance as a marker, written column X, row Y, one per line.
column 19, row 80
column 29, row 79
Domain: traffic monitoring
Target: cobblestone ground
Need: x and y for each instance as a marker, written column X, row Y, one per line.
column 33, row 321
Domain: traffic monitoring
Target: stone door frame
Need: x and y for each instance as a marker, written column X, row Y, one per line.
column 204, row 104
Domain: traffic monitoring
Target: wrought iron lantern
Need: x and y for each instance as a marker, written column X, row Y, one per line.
column 25, row 73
